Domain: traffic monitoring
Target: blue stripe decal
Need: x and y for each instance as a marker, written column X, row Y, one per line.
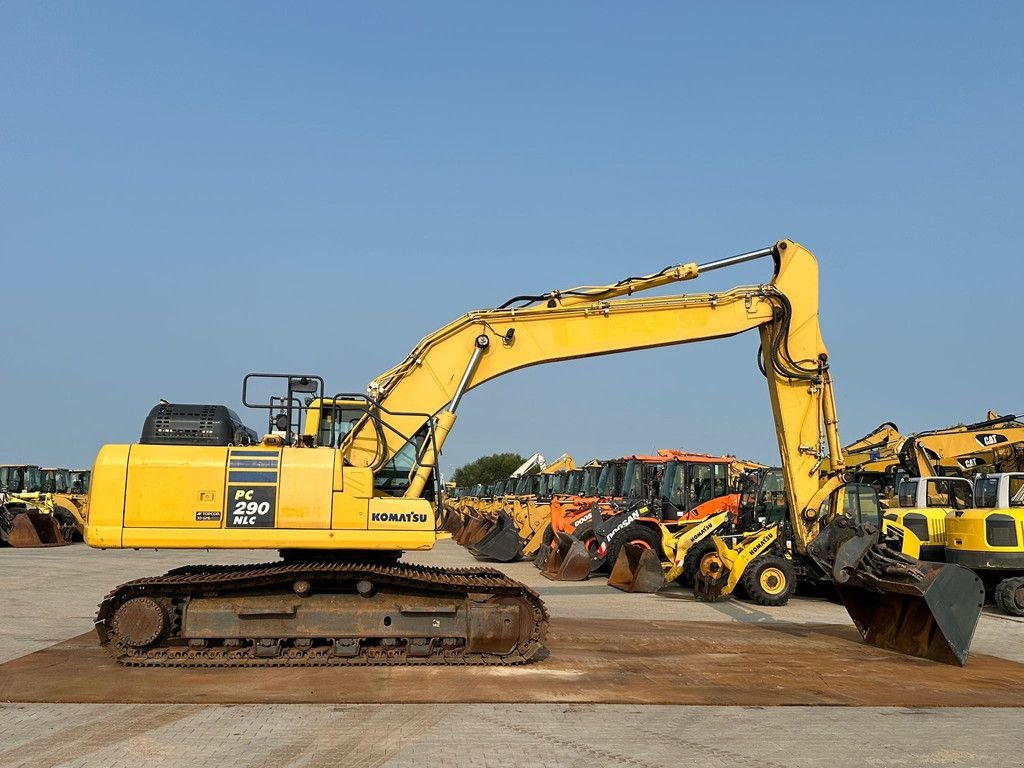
column 244, row 452
column 252, row 477
column 251, row 463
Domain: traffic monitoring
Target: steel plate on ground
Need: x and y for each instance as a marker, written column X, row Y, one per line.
column 592, row 660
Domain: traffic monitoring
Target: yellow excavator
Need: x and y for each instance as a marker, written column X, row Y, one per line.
column 341, row 513
column 932, row 481
column 989, row 538
column 993, row 445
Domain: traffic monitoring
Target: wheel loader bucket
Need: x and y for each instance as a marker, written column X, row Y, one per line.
column 501, row 542
column 534, row 545
column 35, row 529
column 637, row 569
column 569, row 562
column 476, row 527
column 452, row 522
column 929, row 610
column 541, row 558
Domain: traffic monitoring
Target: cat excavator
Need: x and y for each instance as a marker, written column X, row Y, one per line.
column 341, row 514
column 993, row 445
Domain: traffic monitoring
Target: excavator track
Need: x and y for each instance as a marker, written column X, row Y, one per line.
column 322, row 614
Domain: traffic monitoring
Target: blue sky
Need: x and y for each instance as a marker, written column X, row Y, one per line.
column 192, row 192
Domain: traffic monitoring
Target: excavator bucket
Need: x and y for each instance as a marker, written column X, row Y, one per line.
column 569, row 562
column 35, row 529
column 501, row 542
column 637, row 569
column 929, row 610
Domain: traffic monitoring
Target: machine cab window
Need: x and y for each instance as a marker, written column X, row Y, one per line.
column 1016, row 483
column 955, row 493
column 986, row 492
column 908, row 493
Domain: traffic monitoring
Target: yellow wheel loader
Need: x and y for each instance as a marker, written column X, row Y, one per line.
column 988, row 538
column 70, row 504
column 342, row 514
column 27, row 513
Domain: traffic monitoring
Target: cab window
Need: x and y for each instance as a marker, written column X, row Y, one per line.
column 702, row 483
column 1017, row 491
column 860, row 503
column 674, row 485
column 986, row 492
column 949, row 493
column 337, row 422
column 908, row 493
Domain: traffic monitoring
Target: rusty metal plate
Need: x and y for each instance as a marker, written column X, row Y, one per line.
column 592, row 660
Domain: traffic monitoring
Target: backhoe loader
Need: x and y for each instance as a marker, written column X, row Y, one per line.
column 341, row 515
column 571, row 551
column 478, row 523
column 988, row 538
column 684, row 548
column 666, row 495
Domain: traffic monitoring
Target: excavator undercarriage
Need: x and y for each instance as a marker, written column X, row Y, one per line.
column 322, row 614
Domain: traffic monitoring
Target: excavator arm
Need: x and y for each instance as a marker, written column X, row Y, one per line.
column 993, row 445
column 426, row 388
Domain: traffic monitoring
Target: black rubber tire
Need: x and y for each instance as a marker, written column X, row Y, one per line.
column 751, row 580
column 634, row 533
column 67, row 523
column 691, row 562
column 548, row 536
column 1005, row 596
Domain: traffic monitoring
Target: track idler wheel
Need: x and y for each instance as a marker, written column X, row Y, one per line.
column 139, row 622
